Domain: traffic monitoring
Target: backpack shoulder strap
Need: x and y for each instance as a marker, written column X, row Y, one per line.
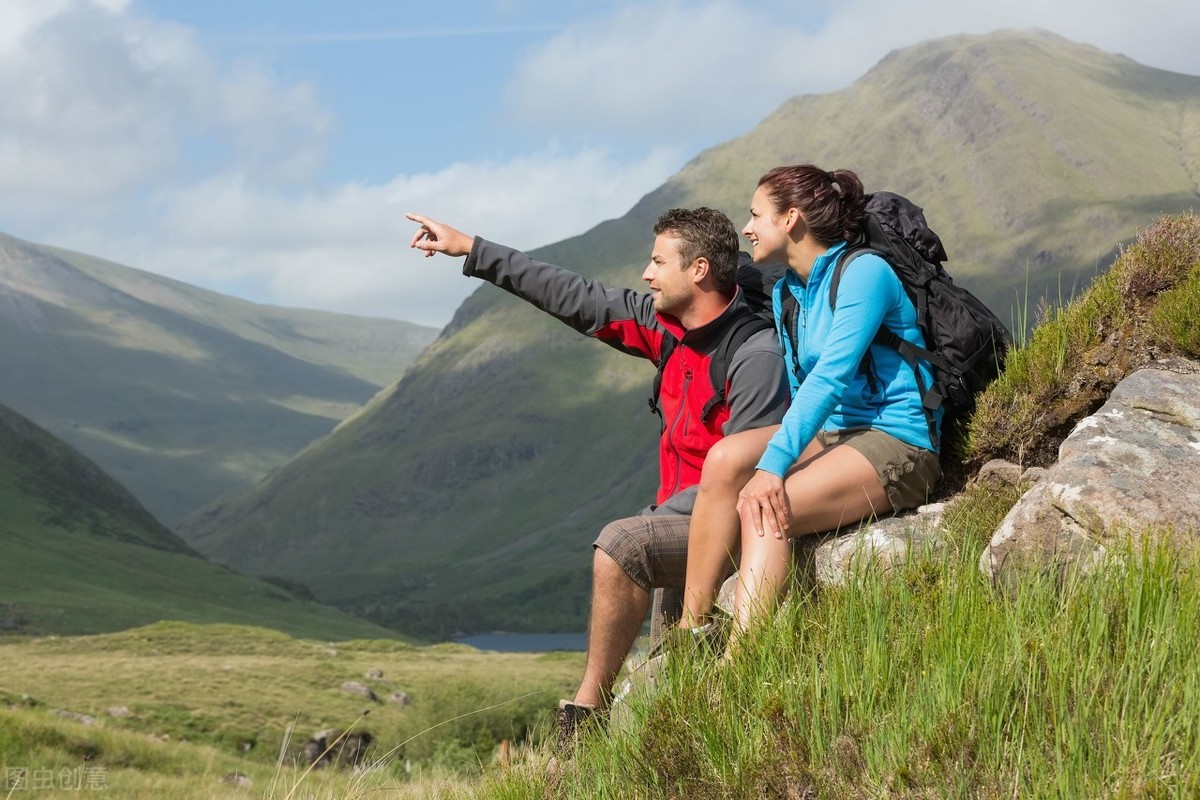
column 789, row 317
column 843, row 261
column 738, row 332
column 931, row 399
column 664, row 354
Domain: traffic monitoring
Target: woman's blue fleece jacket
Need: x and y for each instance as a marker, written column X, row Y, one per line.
column 830, row 391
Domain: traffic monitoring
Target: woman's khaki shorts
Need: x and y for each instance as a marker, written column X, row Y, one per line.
column 907, row 473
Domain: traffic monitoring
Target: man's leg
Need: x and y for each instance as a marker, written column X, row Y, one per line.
column 632, row 557
column 618, row 608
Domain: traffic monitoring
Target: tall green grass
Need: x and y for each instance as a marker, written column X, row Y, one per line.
column 926, row 682
column 1143, row 308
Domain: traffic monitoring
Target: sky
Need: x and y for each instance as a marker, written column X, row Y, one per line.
column 269, row 149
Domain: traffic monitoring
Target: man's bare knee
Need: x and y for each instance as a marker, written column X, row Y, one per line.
column 610, row 575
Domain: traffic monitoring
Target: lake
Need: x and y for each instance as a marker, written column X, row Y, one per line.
column 526, row 642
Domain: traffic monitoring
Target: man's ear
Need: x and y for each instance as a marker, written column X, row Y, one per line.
column 700, row 269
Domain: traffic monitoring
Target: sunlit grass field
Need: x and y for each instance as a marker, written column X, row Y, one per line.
column 177, row 707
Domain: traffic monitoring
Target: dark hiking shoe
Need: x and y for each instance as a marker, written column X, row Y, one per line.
column 572, row 719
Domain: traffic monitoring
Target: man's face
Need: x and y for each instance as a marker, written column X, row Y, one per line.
column 669, row 278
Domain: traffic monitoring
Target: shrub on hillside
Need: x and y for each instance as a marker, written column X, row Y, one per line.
column 1143, row 309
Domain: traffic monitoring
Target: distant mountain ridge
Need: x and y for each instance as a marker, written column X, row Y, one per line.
column 79, row 554
column 180, row 393
column 465, row 497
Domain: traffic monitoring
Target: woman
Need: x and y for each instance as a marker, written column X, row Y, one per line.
column 855, row 441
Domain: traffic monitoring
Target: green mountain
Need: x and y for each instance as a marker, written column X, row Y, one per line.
column 79, row 554
column 467, row 495
column 179, row 393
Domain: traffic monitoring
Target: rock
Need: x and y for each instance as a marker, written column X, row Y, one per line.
column 999, row 472
column 118, row 711
column 238, row 779
column 374, row 674
column 84, row 719
column 1131, row 466
column 400, row 698
column 880, row 545
column 1033, row 475
column 330, row 748
column 354, row 687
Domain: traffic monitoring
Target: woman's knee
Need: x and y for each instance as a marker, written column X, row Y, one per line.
column 730, row 462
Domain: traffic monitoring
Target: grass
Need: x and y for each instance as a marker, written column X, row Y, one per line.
column 1144, row 308
column 205, row 701
column 918, row 682
column 925, row 682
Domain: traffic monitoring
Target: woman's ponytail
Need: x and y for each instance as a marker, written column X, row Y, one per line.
column 831, row 202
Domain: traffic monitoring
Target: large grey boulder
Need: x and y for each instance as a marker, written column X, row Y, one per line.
column 1132, row 466
column 835, row 559
column 880, row 545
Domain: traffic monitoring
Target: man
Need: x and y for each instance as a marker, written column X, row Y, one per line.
column 693, row 304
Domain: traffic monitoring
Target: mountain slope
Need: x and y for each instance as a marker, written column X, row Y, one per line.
column 466, row 496
column 181, row 394
column 79, row 554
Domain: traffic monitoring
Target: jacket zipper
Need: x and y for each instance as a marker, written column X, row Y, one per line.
column 680, row 414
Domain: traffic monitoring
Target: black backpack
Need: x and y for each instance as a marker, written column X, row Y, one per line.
column 966, row 343
column 756, row 282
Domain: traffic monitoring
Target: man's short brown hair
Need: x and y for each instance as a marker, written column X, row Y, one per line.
column 704, row 233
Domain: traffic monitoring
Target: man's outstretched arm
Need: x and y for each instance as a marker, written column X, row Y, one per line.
column 621, row 318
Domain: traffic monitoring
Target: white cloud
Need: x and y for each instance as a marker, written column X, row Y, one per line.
column 664, row 70
column 346, row 249
column 714, row 67
column 122, row 137
column 100, row 102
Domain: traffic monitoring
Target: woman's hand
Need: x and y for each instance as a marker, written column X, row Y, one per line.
column 436, row 237
column 763, row 505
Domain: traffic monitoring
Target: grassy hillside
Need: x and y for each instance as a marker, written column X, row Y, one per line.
column 465, row 497
column 79, row 554
column 196, row 703
column 179, row 393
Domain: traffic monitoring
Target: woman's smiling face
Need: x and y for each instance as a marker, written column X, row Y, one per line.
column 767, row 230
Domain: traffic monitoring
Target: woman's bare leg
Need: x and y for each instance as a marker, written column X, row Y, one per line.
column 837, row 487
column 713, row 535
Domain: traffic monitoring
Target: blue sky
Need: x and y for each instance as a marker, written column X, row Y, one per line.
column 269, row 149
